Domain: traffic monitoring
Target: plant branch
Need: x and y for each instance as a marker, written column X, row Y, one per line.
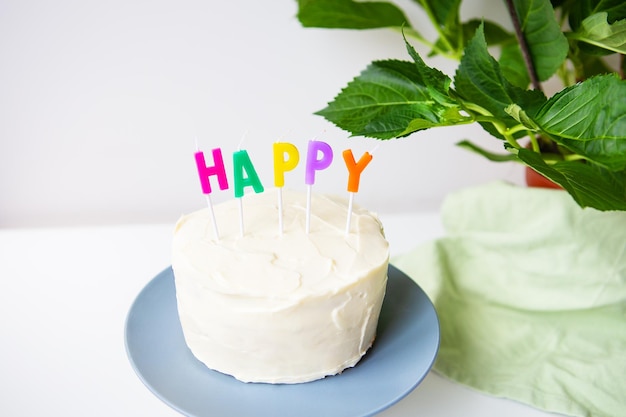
column 528, row 60
column 501, row 128
column 433, row 19
column 418, row 36
column 534, row 143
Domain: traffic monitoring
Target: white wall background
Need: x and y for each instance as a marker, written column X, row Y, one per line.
column 101, row 102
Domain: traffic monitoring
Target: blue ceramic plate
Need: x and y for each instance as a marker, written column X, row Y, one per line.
column 405, row 348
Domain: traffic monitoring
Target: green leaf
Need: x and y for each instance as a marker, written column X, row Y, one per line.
column 588, row 184
column 445, row 13
column 512, row 65
column 394, row 98
column 479, row 80
column 593, row 65
column 494, row 35
column 348, row 14
column 589, row 118
column 579, row 10
column 437, row 83
column 494, row 157
column 548, row 46
column 521, row 116
column 596, row 30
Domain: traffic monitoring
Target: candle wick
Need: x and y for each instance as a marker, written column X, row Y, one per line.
column 243, row 137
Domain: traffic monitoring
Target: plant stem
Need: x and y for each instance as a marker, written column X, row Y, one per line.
column 501, row 128
column 513, row 130
column 528, row 60
column 574, row 157
column 480, row 114
column 433, row 19
column 535, row 143
column 416, row 35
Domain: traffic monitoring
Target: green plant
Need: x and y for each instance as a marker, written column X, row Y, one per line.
column 576, row 137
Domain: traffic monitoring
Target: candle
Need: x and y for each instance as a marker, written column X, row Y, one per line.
column 244, row 175
column 354, row 176
column 355, row 168
column 286, row 158
column 281, row 165
column 204, row 173
column 313, row 163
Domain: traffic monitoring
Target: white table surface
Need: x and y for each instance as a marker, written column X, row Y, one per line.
column 64, row 296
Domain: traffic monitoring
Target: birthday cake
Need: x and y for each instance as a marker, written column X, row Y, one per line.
column 280, row 306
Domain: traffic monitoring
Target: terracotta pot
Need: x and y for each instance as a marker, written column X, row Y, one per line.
column 535, row 179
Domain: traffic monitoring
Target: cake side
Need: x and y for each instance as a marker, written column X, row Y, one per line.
column 287, row 308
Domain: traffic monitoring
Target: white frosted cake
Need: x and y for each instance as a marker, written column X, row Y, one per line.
column 290, row 308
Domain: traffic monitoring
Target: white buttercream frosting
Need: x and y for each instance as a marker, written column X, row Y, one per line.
column 280, row 308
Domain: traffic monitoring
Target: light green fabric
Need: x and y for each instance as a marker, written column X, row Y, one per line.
column 530, row 291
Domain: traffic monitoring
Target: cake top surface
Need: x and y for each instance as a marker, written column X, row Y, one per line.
column 263, row 263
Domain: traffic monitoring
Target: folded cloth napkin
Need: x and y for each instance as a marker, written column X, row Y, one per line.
column 530, row 290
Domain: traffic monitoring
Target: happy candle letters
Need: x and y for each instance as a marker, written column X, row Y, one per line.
column 286, row 158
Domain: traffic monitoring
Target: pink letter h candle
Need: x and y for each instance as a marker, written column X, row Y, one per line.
column 205, row 172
